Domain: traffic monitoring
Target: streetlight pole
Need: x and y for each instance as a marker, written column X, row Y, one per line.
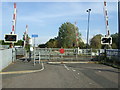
column 119, row 29
column 88, row 26
column 119, row 23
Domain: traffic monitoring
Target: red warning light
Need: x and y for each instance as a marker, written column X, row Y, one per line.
column 62, row 51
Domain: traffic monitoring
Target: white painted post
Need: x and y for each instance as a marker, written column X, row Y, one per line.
column 12, row 55
column 34, row 58
column 39, row 57
column 91, row 53
column 34, row 51
column 78, row 50
column 26, row 56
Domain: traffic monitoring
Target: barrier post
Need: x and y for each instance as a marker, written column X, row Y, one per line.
column 39, row 57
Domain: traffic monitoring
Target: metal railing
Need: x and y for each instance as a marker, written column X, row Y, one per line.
column 113, row 54
column 20, row 51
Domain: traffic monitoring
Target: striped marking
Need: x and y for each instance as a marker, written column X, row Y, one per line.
column 14, row 19
column 106, row 18
column 13, row 28
column 14, row 5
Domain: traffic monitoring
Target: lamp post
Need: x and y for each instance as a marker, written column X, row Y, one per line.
column 88, row 26
column 119, row 23
column 119, row 29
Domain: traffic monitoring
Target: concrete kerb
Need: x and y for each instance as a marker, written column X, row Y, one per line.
column 23, row 72
column 70, row 62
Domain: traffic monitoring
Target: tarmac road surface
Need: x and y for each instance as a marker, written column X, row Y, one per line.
column 65, row 76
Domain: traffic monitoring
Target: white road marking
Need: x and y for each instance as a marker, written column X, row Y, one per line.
column 73, row 70
column 90, row 83
column 78, row 73
column 66, row 67
column 43, row 67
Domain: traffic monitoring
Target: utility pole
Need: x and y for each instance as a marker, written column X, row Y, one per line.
column 88, row 27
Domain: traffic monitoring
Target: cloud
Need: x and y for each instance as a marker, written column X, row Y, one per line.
column 43, row 39
column 64, row 10
column 57, row 0
column 92, row 33
column 53, row 13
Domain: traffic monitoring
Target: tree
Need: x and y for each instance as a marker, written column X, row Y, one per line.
column 42, row 45
column 114, row 40
column 95, row 42
column 19, row 43
column 52, row 43
column 26, row 38
column 67, row 35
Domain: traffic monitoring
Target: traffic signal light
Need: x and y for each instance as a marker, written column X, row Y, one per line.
column 10, row 38
column 106, row 40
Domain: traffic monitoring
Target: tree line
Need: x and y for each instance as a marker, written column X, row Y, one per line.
column 67, row 39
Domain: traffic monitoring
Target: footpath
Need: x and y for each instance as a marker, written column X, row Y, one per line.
column 20, row 66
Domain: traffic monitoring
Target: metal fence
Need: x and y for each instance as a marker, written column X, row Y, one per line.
column 113, row 54
column 4, row 46
column 20, row 51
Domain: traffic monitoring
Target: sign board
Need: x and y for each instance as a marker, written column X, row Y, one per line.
column 62, row 51
column 34, row 35
column 10, row 38
column 106, row 40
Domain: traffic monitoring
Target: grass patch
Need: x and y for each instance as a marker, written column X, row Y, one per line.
column 110, row 64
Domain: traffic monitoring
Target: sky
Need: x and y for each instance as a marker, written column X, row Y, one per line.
column 45, row 18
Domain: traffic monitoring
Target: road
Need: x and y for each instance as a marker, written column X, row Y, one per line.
column 65, row 76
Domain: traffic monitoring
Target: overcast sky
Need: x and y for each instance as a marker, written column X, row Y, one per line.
column 45, row 18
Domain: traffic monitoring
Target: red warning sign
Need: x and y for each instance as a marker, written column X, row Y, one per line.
column 61, row 51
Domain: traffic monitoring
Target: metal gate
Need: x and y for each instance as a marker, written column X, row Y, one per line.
column 71, row 54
